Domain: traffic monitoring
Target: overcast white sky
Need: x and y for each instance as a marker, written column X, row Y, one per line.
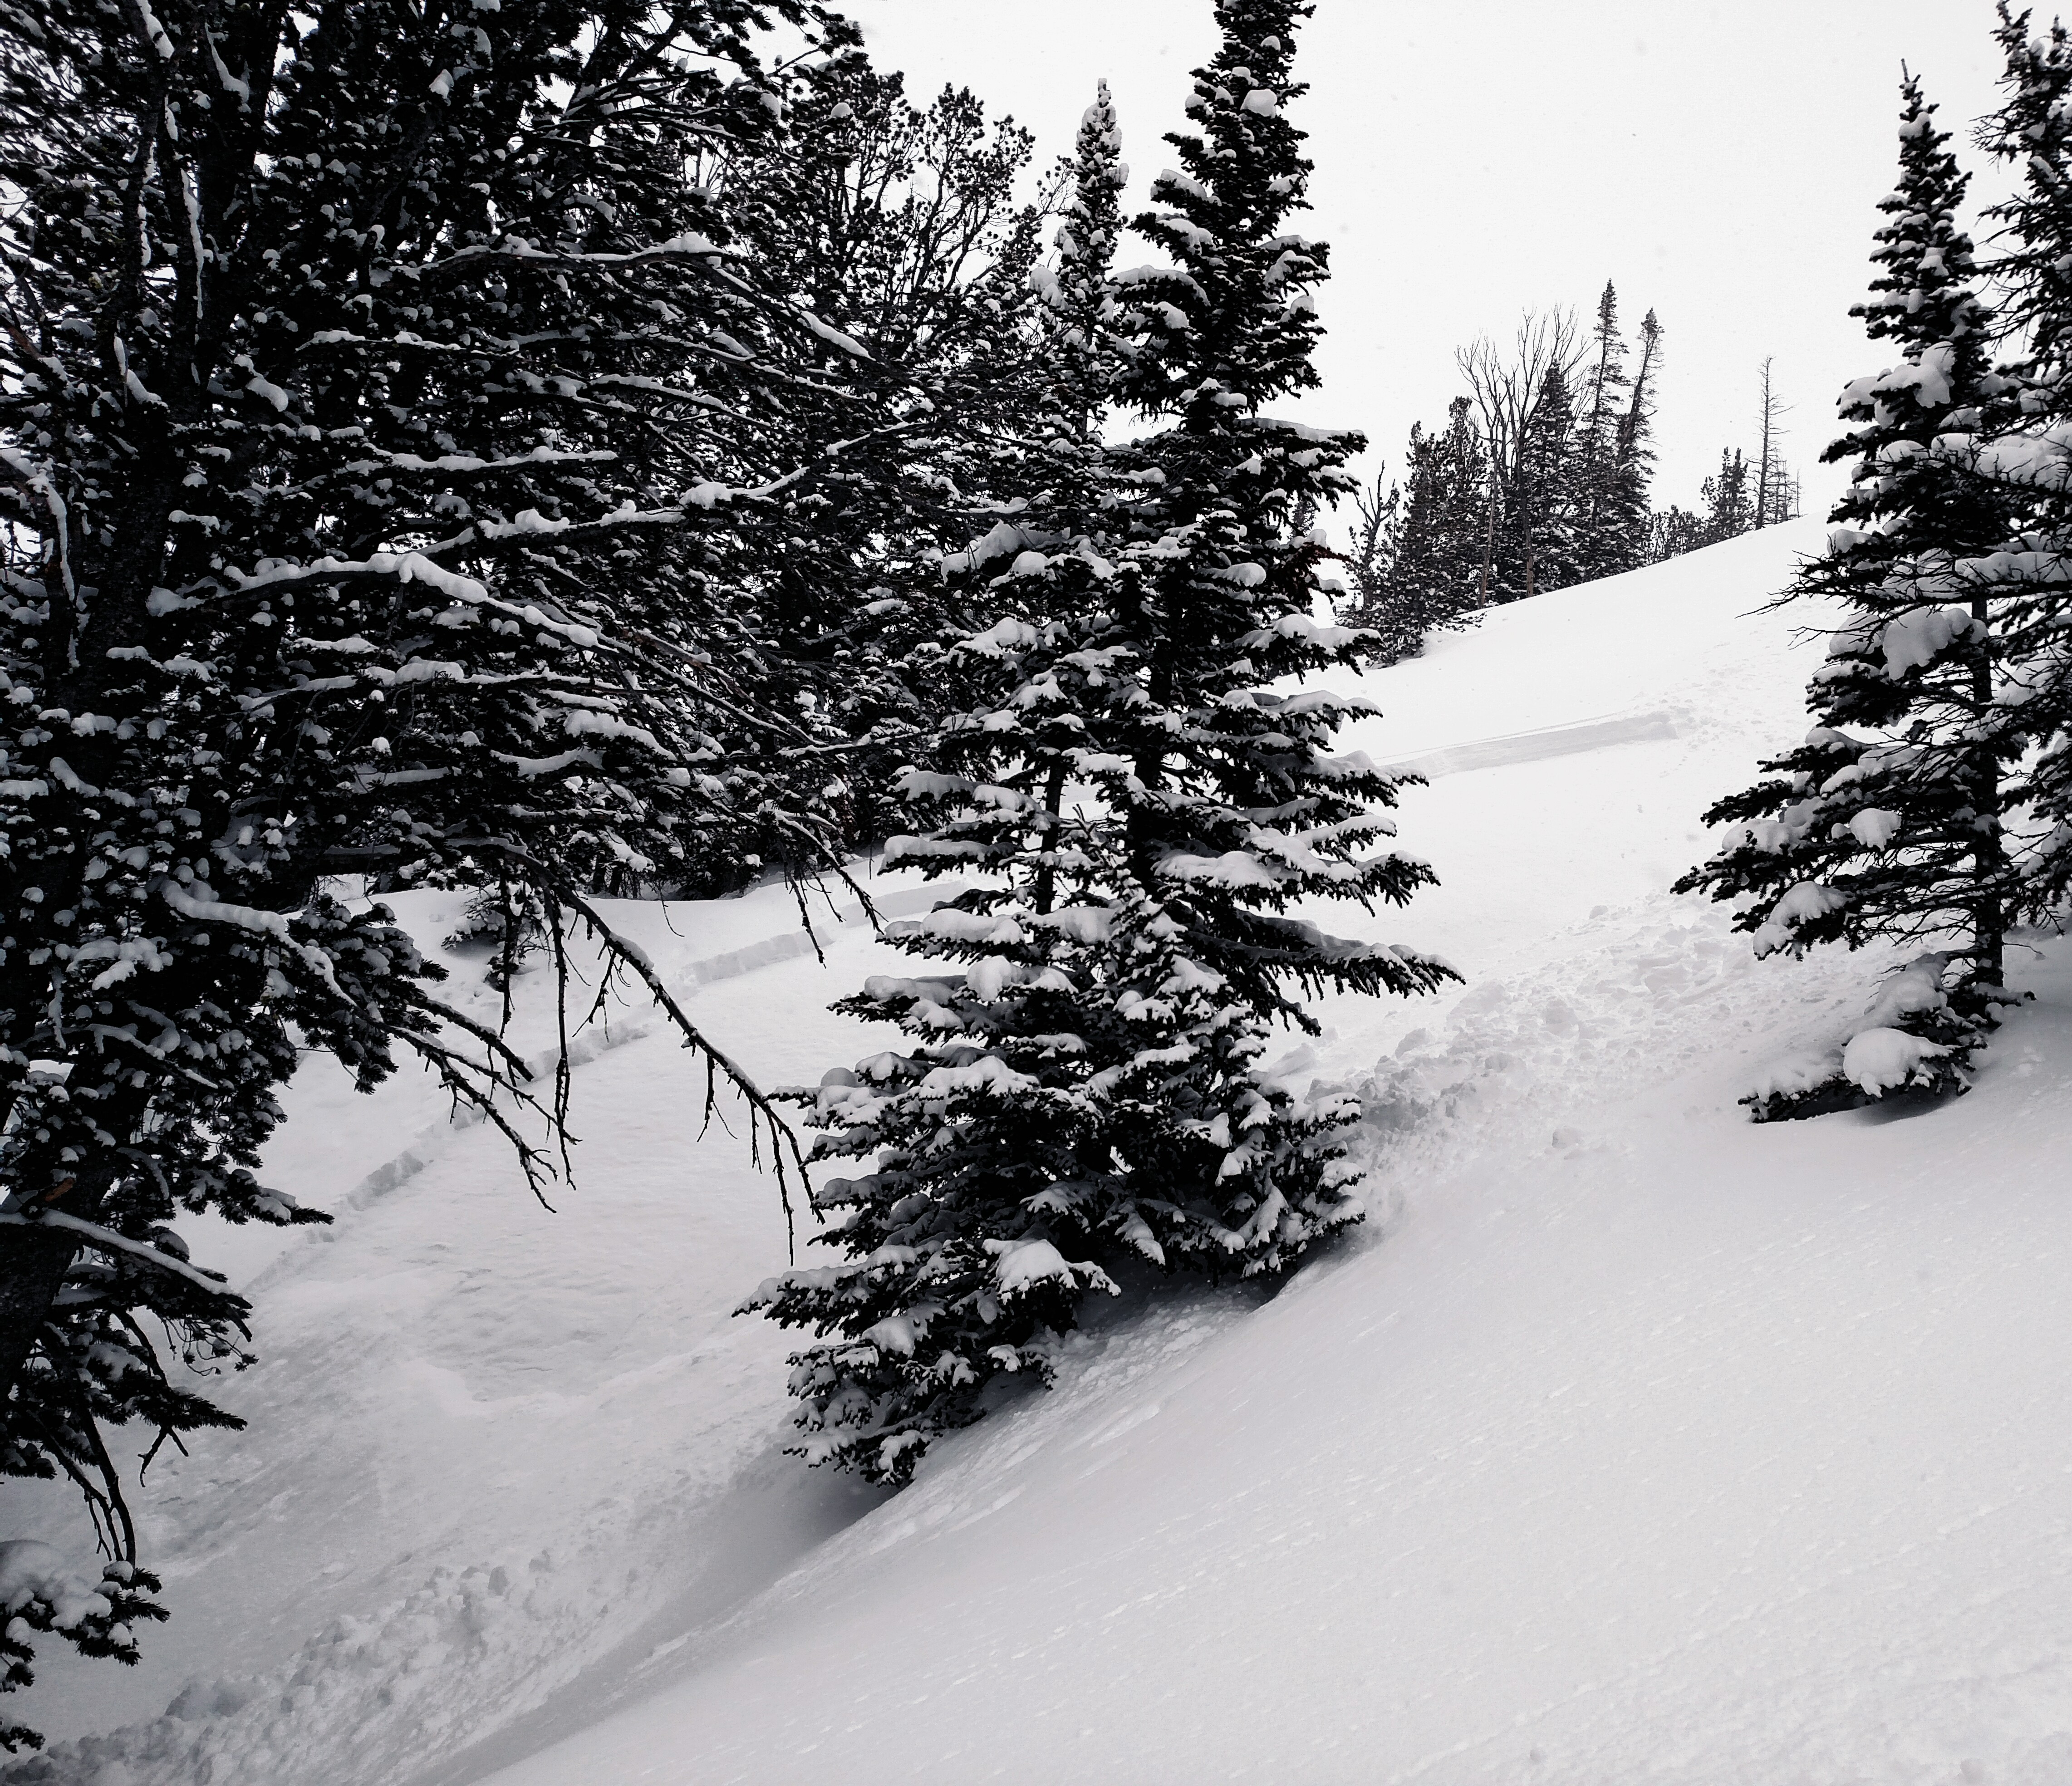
column 1718, row 161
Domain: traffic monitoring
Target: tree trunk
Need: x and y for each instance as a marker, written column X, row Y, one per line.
column 1047, row 877
column 1989, row 861
column 34, row 1259
column 33, row 1263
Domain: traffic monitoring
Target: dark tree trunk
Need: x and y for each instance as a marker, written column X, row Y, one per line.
column 1989, row 861
column 1046, row 877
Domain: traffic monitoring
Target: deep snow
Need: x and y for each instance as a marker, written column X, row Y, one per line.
column 1627, row 1442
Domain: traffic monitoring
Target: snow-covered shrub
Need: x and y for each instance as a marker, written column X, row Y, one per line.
column 509, row 922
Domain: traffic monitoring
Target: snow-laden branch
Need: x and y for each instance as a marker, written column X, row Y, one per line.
column 110, row 1242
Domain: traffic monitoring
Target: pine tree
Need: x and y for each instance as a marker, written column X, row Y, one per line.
column 1671, row 532
column 1892, row 829
column 2026, row 445
column 1627, row 523
column 1543, row 501
column 1080, row 335
column 1418, row 551
column 382, row 412
column 1729, row 511
column 1089, row 1086
column 1601, row 445
column 1462, row 476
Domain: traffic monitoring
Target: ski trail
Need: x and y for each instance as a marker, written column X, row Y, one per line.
column 431, row 1143
column 1543, row 742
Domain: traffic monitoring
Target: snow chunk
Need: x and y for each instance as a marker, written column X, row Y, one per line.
column 1929, row 379
column 1020, row 1266
column 1009, row 634
column 893, row 1335
column 1087, row 924
column 1003, row 538
column 1883, row 1060
column 1232, row 868
column 1915, row 640
column 1800, row 904
column 1916, row 988
column 30, row 1571
column 1796, row 1074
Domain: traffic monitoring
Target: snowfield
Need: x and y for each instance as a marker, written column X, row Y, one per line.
column 1626, row 1443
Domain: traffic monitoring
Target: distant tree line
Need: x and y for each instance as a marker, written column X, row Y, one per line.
column 1541, row 478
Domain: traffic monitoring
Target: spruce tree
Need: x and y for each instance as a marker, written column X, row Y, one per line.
column 1730, row 510
column 1886, row 822
column 1089, row 1085
column 1543, row 505
column 379, row 406
column 1418, row 551
column 1079, row 335
column 2024, row 446
column 1460, row 523
column 1601, row 443
column 1627, row 523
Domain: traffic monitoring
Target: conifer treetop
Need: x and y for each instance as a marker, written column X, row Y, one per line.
column 1078, row 303
column 1925, row 290
column 2033, row 127
column 1221, row 216
column 1924, row 298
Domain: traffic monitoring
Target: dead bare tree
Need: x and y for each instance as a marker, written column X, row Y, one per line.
column 1507, row 385
column 1772, row 493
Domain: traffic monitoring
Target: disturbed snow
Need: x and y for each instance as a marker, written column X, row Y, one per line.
column 1626, row 1443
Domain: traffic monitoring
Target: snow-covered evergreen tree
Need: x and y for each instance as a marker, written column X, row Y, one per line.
column 1601, row 439
column 1417, row 561
column 1079, row 301
column 1544, row 503
column 1628, row 520
column 1729, row 504
column 1886, row 822
column 379, row 410
column 2026, row 446
column 1090, row 1083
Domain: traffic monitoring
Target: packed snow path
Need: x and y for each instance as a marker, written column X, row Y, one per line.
column 1627, row 1444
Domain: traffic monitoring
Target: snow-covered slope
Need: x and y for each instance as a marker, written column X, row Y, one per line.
column 1628, row 1443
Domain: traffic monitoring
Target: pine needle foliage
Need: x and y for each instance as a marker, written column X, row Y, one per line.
column 1139, row 804
column 1887, row 822
column 381, row 436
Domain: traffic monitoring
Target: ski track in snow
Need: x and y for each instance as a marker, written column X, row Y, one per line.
column 1538, row 746
column 1625, row 1445
column 374, row 1695
column 586, row 1045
